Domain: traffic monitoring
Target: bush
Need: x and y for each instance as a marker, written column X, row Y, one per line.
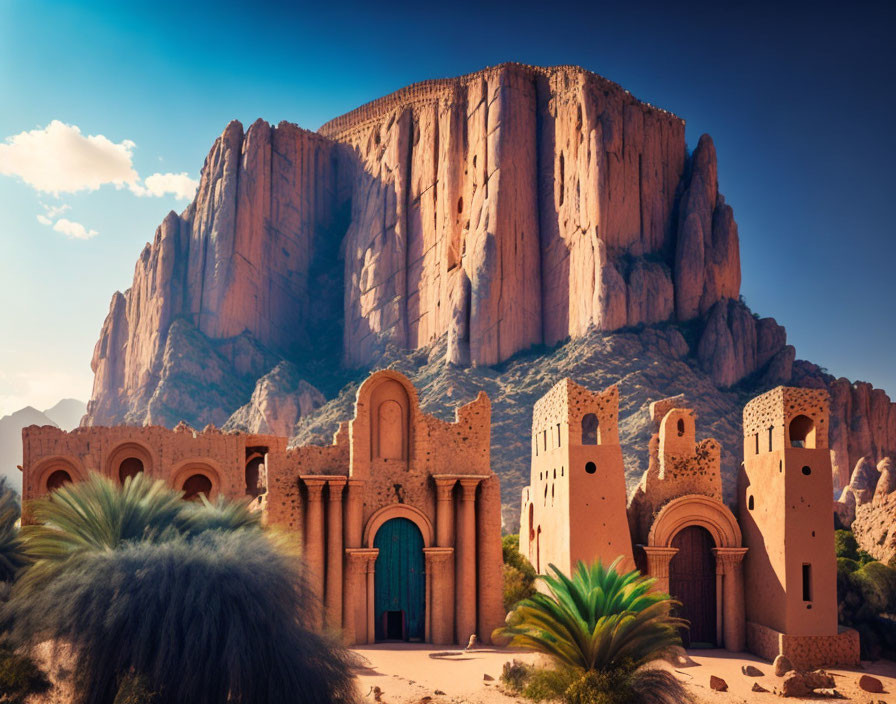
column 519, row 575
column 866, row 594
column 877, row 583
column 19, row 676
column 602, row 630
column 162, row 601
column 515, row 675
column 846, row 545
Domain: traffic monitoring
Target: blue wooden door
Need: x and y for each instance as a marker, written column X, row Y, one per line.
column 399, row 581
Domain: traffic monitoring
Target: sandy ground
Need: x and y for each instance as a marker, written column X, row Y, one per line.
column 418, row 674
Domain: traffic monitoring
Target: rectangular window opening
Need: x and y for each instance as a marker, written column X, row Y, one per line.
column 770, row 439
column 757, row 443
column 807, row 582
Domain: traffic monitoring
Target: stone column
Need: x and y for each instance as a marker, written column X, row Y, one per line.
column 353, row 509
column 489, row 559
column 440, row 601
column 314, row 544
column 445, row 510
column 355, row 614
column 658, row 559
column 352, row 535
column 465, row 561
column 371, row 603
column 734, row 620
column 333, row 599
column 445, row 539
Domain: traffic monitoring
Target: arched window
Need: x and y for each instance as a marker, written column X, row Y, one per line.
column 802, row 432
column 195, row 485
column 57, row 479
column 531, row 521
column 680, row 426
column 129, row 467
column 751, row 504
column 589, row 429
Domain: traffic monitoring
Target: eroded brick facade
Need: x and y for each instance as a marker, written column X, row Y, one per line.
column 391, row 461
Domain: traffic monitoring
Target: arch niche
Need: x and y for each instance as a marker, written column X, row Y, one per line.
column 55, row 472
column 694, row 550
column 128, row 460
column 389, row 416
column 400, row 600
column 194, row 477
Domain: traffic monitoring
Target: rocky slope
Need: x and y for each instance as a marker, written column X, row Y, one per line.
column 466, row 221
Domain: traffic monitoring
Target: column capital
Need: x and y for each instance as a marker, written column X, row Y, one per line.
column 315, row 487
column 336, row 487
column 729, row 558
column 362, row 556
column 469, row 485
column 438, row 555
column 444, row 485
column 658, row 559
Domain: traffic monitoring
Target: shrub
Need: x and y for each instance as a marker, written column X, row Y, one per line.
column 519, row 575
column 877, row 583
column 162, row 601
column 19, row 676
column 515, row 674
column 601, row 629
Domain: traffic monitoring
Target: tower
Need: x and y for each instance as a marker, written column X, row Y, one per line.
column 575, row 505
column 785, row 493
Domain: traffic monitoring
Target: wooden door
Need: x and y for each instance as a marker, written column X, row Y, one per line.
column 692, row 581
column 399, row 581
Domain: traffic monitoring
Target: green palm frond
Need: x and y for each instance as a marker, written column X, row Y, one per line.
column 12, row 552
column 596, row 619
column 220, row 515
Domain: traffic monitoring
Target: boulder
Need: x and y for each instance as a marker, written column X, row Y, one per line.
column 751, row 671
column 718, row 684
column 782, row 665
column 802, row 684
column 871, row 684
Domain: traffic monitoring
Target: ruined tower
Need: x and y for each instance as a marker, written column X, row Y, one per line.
column 575, row 505
column 785, row 493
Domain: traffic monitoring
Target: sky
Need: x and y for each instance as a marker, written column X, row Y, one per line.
column 109, row 109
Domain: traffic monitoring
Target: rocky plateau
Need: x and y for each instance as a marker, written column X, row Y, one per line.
column 497, row 230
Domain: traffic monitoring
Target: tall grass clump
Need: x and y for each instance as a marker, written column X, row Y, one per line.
column 181, row 603
column 601, row 630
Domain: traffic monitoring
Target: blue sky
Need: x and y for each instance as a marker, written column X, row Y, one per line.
column 798, row 98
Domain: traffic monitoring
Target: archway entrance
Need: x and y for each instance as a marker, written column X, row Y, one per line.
column 692, row 581
column 399, row 581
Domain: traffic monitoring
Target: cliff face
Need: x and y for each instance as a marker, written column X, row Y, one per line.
column 520, row 205
column 250, row 265
column 512, row 207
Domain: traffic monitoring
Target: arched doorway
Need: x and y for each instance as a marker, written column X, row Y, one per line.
column 692, row 581
column 399, row 581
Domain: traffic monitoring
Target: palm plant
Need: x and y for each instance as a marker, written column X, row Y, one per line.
column 195, row 603
column 12, row 556
column 601, row 629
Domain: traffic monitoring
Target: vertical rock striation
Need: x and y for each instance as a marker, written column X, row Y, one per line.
column 508, row 208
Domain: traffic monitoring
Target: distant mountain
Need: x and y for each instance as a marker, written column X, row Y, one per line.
column 67, row 413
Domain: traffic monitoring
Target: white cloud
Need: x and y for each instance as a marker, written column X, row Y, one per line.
column 44, row 220
column 59, row 159
column 179, row 185
column 53, row 211
column 73, row 230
